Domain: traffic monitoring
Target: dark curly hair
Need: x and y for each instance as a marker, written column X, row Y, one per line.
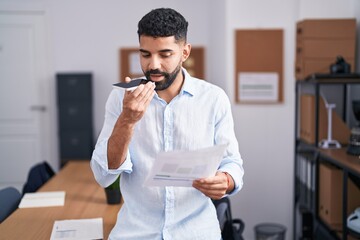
column 163, row 22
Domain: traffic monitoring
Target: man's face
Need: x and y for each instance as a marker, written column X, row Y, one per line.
column 161, row 59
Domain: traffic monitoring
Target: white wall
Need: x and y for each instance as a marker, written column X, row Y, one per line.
column 217, row 48
column 265, row 132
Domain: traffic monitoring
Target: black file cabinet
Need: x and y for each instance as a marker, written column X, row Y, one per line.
column 75, row 116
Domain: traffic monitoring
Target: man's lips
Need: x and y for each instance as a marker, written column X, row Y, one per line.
column 156, row 76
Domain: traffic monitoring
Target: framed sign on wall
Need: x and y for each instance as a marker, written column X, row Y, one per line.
column 129, row 63
column 259, row 66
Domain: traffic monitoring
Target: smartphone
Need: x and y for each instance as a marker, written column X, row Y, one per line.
column 132, row 85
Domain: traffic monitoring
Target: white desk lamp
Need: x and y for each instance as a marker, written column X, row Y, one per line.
column 329, row 142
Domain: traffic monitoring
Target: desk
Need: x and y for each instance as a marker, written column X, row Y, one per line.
column 84, row 199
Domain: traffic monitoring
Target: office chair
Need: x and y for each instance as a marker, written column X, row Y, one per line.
column 231, row 229
column 9, row 198
column 39, row 174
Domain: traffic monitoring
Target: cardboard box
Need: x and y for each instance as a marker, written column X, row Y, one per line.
column 326, row 48
column 340, row 131
column 331, row 192
column 304, row 67
column 326, row 28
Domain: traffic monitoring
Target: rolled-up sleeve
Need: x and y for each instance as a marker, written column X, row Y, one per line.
column 232, row 162
column 99, row 162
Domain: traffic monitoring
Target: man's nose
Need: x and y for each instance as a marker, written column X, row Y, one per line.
column 154, row 63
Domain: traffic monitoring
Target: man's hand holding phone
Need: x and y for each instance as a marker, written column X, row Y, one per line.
column 137, row 100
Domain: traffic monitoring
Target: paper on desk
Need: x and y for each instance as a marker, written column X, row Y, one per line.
column 43, row 199
column 180, row 168
column 79, row 229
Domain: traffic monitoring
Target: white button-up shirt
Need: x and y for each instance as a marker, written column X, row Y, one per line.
column 198, row 117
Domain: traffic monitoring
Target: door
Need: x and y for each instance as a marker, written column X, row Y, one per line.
column 23, row 89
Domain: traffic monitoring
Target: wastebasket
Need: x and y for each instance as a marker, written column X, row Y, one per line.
column 270, row 231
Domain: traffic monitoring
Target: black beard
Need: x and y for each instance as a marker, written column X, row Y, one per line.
column 169, row 78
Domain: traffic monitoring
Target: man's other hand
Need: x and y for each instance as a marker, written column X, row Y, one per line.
column 215, row 187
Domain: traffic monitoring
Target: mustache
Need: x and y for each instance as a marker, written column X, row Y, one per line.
column 155, row 71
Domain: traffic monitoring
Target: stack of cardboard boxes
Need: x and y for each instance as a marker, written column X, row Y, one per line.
column 320, row 41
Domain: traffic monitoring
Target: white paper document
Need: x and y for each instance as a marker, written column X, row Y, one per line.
column 180, row 168
column 43, row 199
column 258, row 86
column 79, row 229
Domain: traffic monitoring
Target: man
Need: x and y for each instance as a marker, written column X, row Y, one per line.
column 173, row 111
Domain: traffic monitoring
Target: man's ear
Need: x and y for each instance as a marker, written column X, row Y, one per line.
column 186, row 52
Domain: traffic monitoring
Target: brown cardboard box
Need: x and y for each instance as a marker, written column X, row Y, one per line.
column 304, row 67
column 340, row 131
column 326, row 28
column 331, row 192
column 326, row 48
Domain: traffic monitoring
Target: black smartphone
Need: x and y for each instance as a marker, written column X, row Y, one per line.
column 132, row 84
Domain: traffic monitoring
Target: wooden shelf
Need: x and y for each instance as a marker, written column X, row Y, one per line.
column 309, row 170
column 333, row 78
column 341, row 158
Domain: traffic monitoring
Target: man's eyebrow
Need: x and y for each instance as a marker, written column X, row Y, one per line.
column 162, row 51
column 166, row 50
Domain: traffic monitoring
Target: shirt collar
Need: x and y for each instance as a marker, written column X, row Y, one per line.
column 188, row 86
